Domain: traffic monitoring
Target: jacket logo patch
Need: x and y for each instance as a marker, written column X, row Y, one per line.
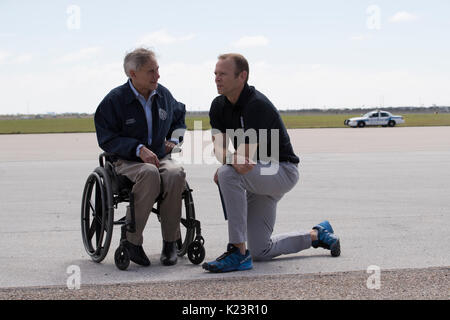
column 130, row 121
column 162, row 114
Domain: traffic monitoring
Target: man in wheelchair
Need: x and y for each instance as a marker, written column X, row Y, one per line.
column 140, row 123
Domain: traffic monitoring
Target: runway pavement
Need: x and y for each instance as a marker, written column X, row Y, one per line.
column 386, row 192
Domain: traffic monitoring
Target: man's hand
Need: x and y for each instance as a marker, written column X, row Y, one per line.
column 242, row 165
column 148, row 156
column 169, row 146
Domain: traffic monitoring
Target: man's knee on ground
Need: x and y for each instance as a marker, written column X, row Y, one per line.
column 259, row 254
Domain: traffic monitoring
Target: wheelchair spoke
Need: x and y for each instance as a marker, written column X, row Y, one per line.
column 96, row 226
column 92, row 229
column 92, row 207
column 96, row 223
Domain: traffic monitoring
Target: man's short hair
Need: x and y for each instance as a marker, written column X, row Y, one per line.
column 135, row 59
column 239, row 60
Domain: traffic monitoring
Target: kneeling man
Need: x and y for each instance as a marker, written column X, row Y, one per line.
column 256, row 176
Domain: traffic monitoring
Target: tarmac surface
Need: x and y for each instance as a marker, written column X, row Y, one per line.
column 386, row 192
column 403, row 284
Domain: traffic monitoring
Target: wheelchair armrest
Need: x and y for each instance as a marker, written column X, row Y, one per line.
column 176, row 149
column 104, row 156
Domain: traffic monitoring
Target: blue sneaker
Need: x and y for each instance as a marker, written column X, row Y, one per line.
column 327, row 238
column 232, row 260
column 325, row 225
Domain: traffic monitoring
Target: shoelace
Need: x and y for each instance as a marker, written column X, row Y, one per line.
column 226, row 254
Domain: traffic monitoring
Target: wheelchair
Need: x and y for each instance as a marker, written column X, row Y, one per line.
column 103, row 191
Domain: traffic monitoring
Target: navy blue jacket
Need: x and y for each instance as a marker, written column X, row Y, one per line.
column 121, row 124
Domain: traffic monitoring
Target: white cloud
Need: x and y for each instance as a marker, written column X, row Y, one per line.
column 23, row 58
column 403, row 16
column 251, row 41
column 162, row 37
column 261, row 64
column 293, row 86
column 4, row 56
column 85, row 85
column 286, row 85
column 83, row 54
column 199, row 91
column 8, row 57
column 359, row 37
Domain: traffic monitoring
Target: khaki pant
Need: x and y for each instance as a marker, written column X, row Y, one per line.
column 147, row 186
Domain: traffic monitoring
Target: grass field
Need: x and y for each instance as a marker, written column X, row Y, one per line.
column 64, row 125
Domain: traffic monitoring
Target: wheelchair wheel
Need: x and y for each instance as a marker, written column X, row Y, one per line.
column 196, row 251
column 122, row 258
column 187, row 226
column 97, row 214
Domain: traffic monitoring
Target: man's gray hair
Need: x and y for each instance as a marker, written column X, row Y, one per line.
column 136, row 59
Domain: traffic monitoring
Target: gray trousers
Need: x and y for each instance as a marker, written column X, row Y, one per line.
column 251, row 201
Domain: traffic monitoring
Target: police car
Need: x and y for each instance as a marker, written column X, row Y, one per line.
column 375, row 118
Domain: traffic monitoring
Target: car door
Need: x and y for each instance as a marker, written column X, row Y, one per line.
column 373, row 119
column 384, row 118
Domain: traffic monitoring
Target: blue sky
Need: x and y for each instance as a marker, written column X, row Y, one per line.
column 65, row 56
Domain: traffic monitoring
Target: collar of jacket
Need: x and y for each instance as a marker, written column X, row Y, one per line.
column 130, row 96
column 243, row 97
